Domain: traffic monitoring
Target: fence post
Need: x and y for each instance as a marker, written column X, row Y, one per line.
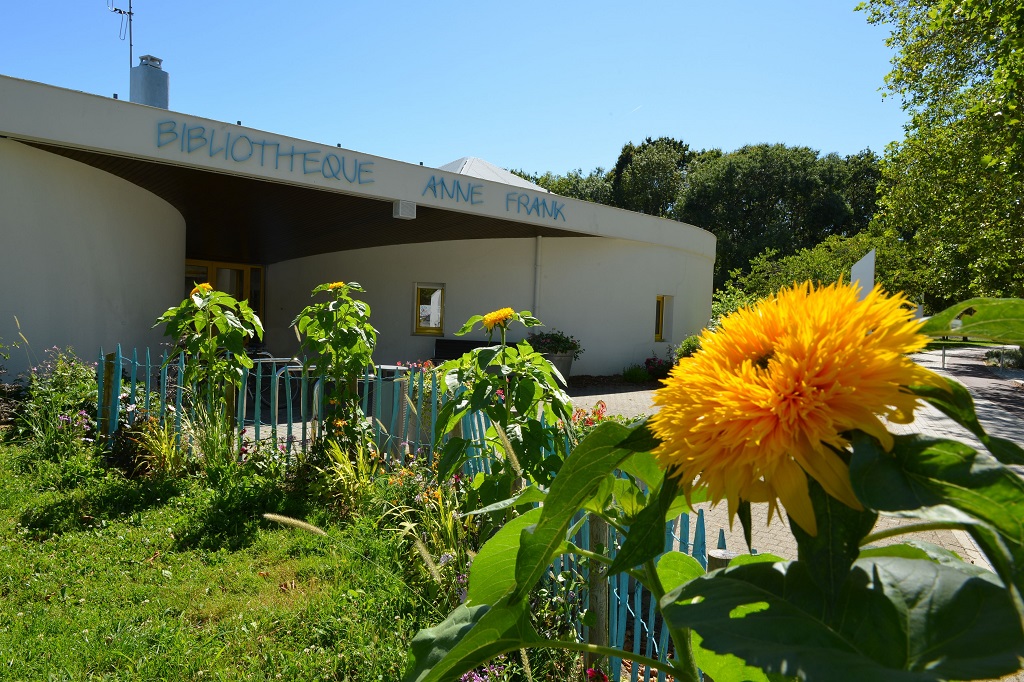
column 100, row 393
column 112, row 388
column 149, row 374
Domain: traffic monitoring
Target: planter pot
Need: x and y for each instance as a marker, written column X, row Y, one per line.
column 562, row 362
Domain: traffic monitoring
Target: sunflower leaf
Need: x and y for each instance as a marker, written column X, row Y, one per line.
column 958, row 404
column 725, row 666
column 643, row 466
column 831, row 552
column 492, row 571
column 578, row 479
column 640, row 438
column 947, row 480
column 771, row 616
column 998, row 319
column 469, row 637
column 646, row 538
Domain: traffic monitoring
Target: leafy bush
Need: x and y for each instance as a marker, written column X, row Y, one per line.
column 636, row 374
column 657, row 367
column 1011, row 358
column 686, row 347
column 59, row 414
column 11, row 395
column 556, row 342
column 584, row 421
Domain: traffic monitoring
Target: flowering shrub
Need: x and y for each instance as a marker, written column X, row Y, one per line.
column 60, row 408
column 585, row 421
column 657, row 368
column 424, row 510
column 555, row 341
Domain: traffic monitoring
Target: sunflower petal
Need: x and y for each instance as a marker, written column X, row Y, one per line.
column 790, row 483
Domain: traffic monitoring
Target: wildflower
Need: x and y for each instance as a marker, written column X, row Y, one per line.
column 772, row 391
column 201, row 289
column 596, row 675
column 497, row 317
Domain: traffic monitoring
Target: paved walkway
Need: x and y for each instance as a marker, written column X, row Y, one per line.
column 999, row 403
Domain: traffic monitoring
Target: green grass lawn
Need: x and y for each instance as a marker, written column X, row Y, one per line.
column 107, row 578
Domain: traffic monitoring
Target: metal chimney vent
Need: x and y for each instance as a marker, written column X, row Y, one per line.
column 404, row 210
column 149, row 82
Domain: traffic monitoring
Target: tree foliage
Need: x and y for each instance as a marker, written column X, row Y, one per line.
column 952, row 187
column 647, row 177
column 595, row 186
column 776, row 197
column 828, row 262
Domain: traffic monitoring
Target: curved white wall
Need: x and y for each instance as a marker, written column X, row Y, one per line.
column 87, row 259
column 601, row 290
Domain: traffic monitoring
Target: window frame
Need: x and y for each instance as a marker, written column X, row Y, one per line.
column 417, row 328
column 659, row 319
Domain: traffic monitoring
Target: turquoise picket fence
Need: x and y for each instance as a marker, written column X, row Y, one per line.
column 282, row 402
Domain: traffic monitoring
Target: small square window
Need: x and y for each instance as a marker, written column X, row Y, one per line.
column 428, row 309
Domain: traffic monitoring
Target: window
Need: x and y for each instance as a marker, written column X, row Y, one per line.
column 244, row 282
column 428, row 309
column 659, row 317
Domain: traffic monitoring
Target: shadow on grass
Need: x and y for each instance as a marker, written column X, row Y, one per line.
column 62, row 511
column 231, row 516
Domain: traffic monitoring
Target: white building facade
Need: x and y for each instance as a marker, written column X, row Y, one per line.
column 109, row 211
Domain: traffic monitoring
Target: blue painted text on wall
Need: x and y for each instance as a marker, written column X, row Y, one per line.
column 535, row 206
column 440, row 188
column 240, row 148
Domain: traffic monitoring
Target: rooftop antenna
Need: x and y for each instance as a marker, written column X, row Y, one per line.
column 126, row 21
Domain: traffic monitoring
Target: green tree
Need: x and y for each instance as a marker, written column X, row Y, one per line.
column 966, row 220
column 774, row 196
column 595, row 186
column 827, row 262
column 959, row 57
column 647, row 177
column 952, row 186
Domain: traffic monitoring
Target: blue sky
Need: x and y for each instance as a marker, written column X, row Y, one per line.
column 532, row 85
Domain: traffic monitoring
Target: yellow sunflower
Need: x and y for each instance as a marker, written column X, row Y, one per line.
column 769, row 394
column 497, row 317
column 335, row 285
column 201, row 289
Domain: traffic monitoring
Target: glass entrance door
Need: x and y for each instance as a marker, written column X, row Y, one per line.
column 243, row 281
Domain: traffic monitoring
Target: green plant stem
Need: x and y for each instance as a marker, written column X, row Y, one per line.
column 917, row 527
column 681, row 637
column 607, row 651
column 601, row 559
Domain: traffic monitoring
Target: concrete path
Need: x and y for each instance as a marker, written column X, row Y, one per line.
column 999, row 403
